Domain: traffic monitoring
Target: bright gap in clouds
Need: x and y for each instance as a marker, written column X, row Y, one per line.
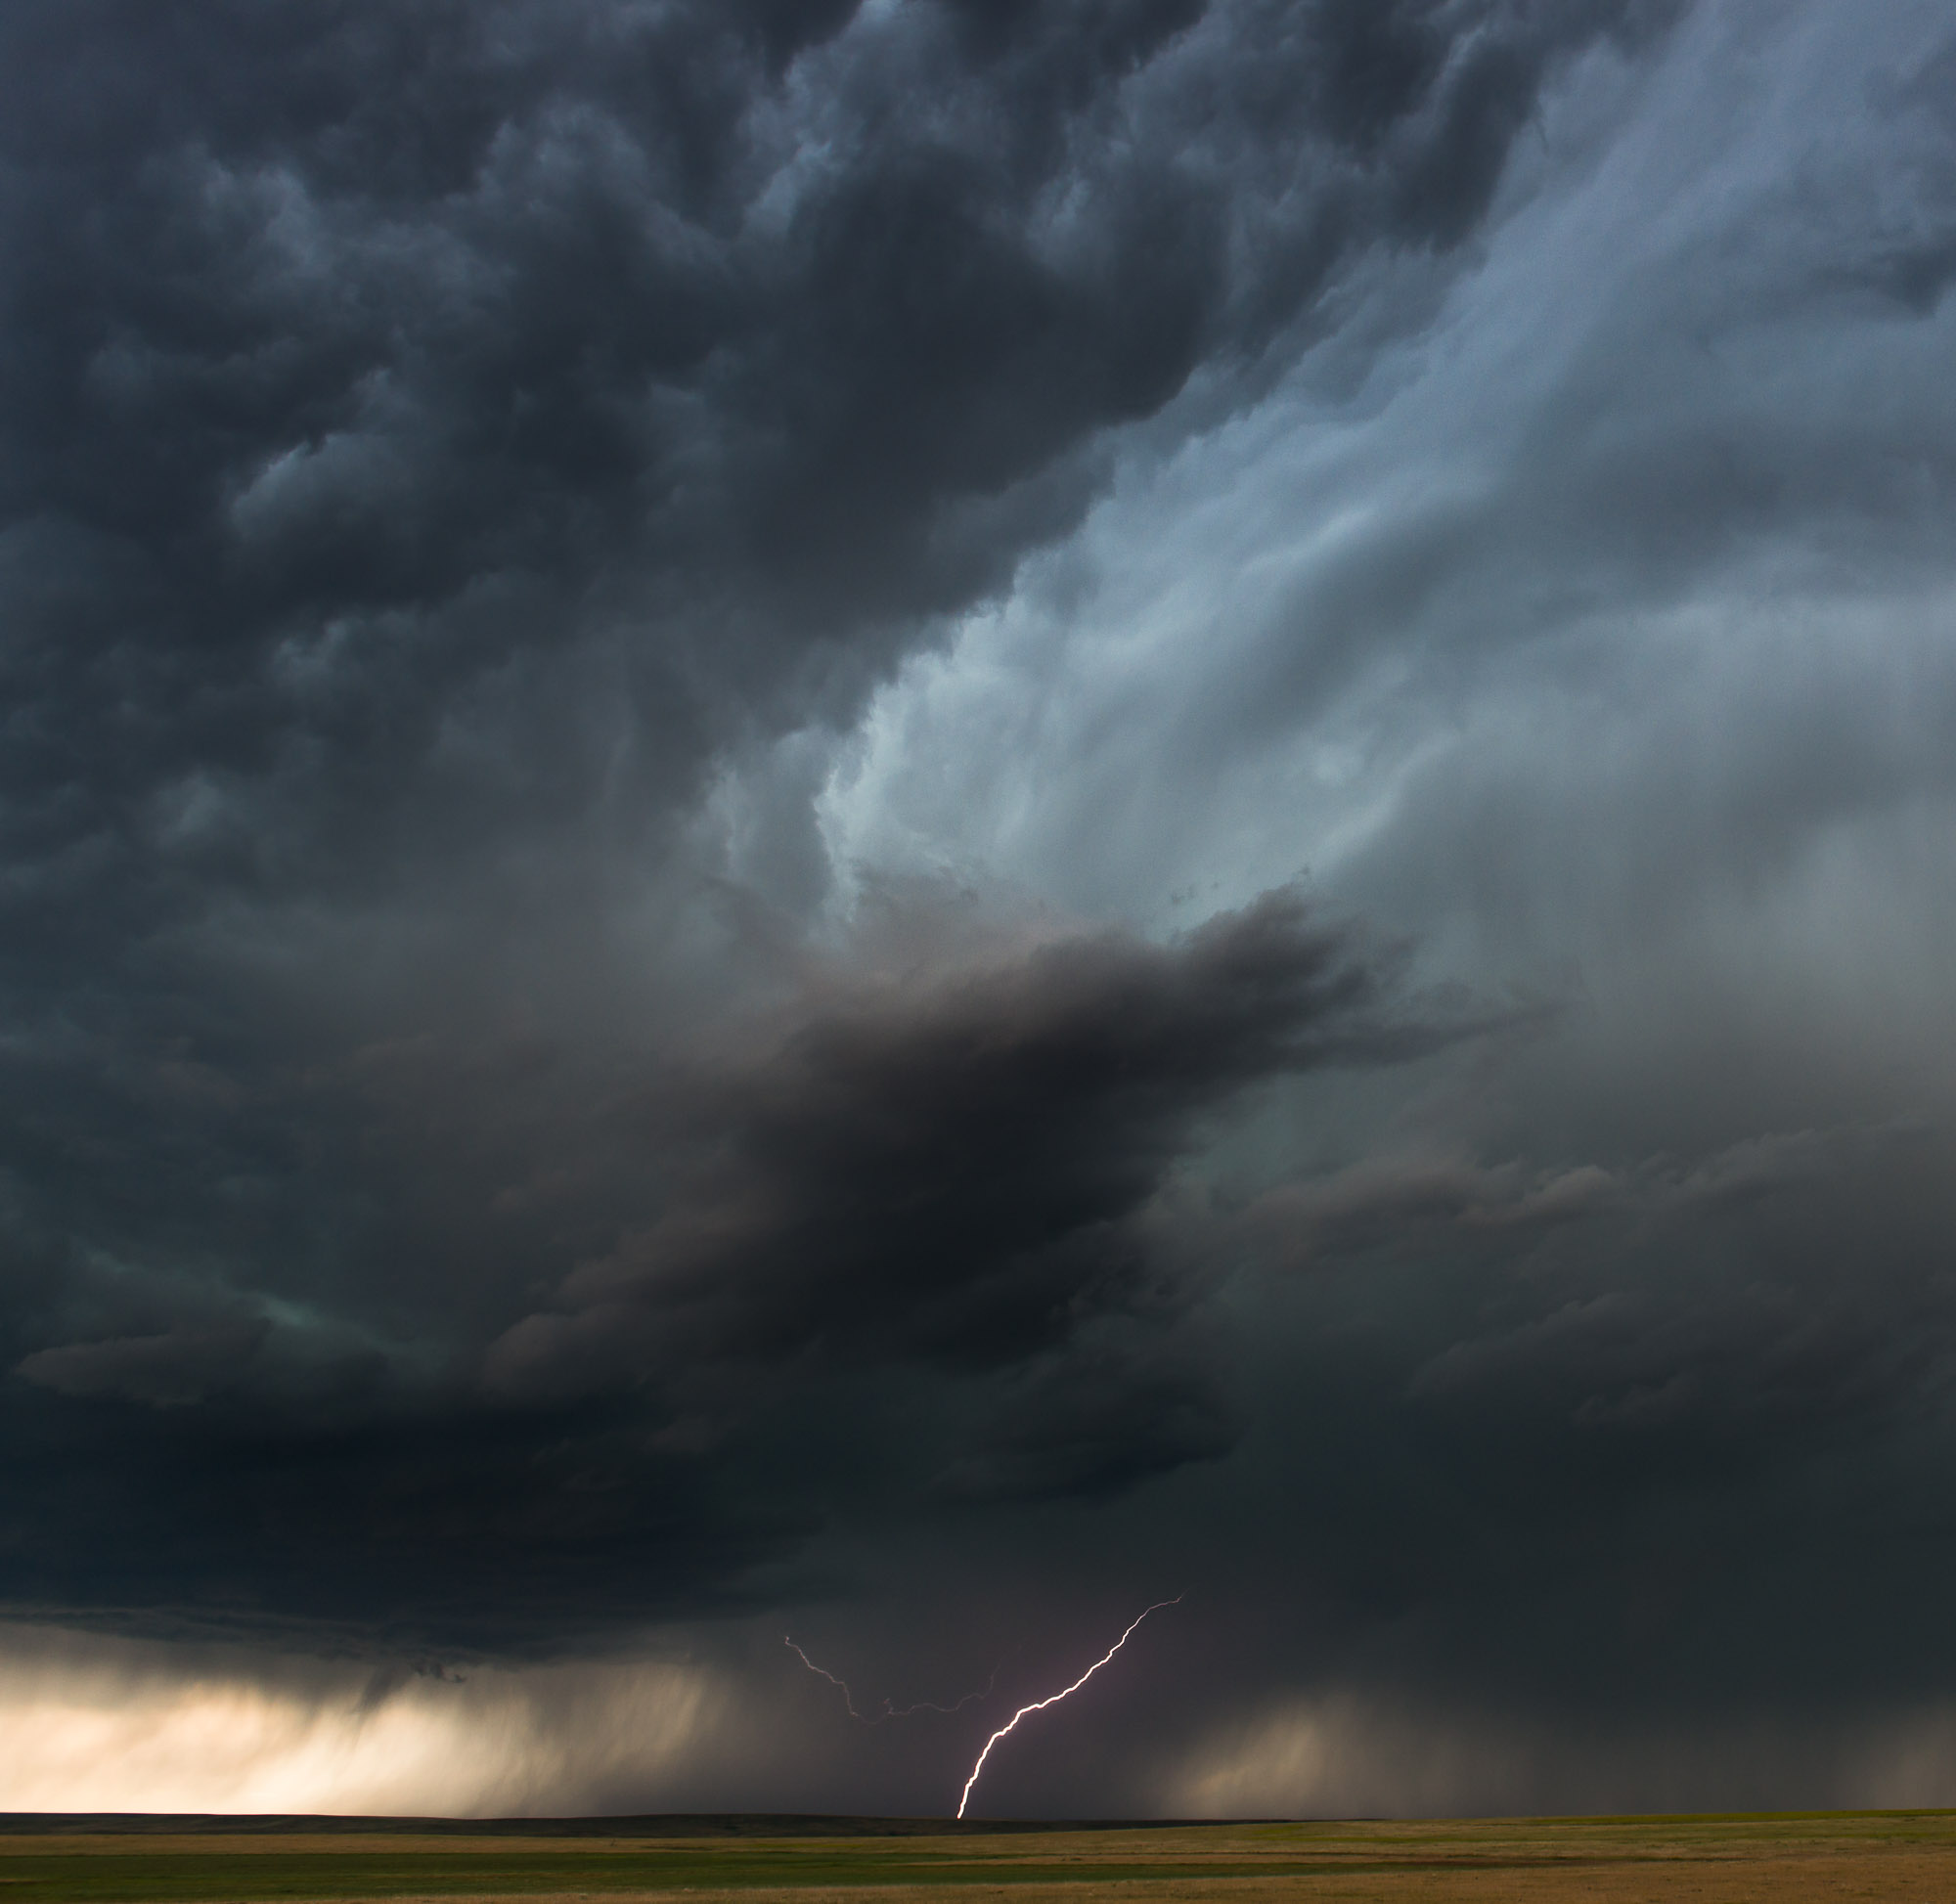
column 98, row 1725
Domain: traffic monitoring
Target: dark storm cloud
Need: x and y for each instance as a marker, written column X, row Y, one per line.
column 1568, row 1436
column 946, row 1170
column 436, row 434
column 575, row 577
column 360, row 357
column 927, row 1199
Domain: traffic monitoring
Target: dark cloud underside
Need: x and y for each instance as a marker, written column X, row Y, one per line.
column 951, row 1173
column 436, row 431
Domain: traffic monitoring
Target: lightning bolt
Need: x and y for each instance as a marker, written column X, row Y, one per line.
column 848, row 1697
column 889, row 1711
column 1040, row 1704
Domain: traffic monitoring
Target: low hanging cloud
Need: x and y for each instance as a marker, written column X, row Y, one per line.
column 949, row 1170
column 939, row 1177
column 1351, row 1756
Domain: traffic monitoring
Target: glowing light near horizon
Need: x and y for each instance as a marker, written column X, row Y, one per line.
column 92, row 1724
column 889, row 1711
column 1040, row 1704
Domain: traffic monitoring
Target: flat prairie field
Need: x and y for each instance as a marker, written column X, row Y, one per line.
column 1760, row 1858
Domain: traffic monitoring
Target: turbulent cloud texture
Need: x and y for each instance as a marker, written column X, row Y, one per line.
column 919, row 818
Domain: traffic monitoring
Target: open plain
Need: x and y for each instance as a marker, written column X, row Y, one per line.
column 1787, row 1858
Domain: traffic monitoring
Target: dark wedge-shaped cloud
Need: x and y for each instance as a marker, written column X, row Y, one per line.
column 942, row 1184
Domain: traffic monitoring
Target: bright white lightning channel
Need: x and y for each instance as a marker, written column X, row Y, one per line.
column 1040, row 1704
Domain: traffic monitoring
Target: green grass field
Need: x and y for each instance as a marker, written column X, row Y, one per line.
column 1907, row 1856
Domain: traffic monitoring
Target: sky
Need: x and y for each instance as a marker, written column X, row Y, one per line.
column 894, row 824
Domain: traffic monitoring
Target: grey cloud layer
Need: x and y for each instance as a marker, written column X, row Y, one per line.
column 437, row 432
column 371, row 366
column 924, row 1201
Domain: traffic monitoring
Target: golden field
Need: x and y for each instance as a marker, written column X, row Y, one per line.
column 1762, row 1859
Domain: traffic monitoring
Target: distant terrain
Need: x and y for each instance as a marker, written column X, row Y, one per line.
column 1709, row 1859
